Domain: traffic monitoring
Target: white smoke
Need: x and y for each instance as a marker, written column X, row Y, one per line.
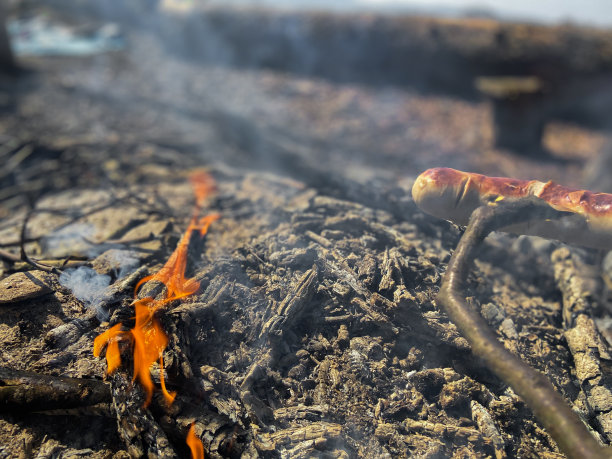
column 70, row 240
column 88, row 286
column 124, row 261
column 95, row 289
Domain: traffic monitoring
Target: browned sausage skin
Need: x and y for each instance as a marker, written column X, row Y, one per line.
column 453, row 195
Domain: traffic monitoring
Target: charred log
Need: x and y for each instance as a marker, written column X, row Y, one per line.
column 29, row 391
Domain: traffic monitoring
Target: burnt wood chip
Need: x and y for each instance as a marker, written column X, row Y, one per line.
column 257, row 409
column 69, row 333
column 293, row 304
column 303, row 441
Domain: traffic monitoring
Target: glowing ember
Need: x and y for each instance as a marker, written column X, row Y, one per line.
column 147, row 338
column 194, row 443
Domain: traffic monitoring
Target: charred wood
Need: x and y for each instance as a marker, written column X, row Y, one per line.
column 580, row 300
column 28, row 391
column 141, row 433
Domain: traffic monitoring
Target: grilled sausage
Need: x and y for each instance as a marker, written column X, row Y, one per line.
column 453, row 195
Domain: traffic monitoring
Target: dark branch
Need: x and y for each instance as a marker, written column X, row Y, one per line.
column 27, row 391
column 549, row 407
column 24, row 256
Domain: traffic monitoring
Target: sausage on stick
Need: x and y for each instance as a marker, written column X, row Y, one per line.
column 453, row 195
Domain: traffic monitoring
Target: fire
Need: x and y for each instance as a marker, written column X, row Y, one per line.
column 203, row 185
column 148, row 341
column 147, row 338
column 195, row 445
column 172, row 274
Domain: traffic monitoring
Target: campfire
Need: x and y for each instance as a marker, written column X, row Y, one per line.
column 307, row 321
column 147, row 337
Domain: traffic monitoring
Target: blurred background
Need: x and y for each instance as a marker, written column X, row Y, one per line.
column 335, row 94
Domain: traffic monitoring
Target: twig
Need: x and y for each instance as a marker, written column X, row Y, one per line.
column 579, row 288
column 19, row 263
column 549, row 407
column 9, row 256
column 24, row 255
column 60, row 264
column 138, row 240
column 8, row 147
column 24, row 239
column 16, row 159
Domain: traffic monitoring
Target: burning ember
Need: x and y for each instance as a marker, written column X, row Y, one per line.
column 147, row 338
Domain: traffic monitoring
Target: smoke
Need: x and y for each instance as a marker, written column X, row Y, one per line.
column 92, row 288
column 124, row 261
column 71, row 240
column 88, row 286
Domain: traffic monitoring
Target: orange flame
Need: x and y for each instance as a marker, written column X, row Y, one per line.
column 172, row 274
column 203, row 185
column 194, row 443
column 147, row 337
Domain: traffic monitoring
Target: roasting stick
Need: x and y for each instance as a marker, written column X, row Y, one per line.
column 488, row 204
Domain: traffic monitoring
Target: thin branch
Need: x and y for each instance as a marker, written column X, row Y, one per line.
column 24, row 256
column 76, row 218
column 549, row 407
column 16, row 159
column 137, row 240
column 8, row 256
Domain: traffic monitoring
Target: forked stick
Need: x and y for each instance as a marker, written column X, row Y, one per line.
column 549, row 407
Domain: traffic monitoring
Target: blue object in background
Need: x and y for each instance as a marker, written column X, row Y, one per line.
column 39, row 37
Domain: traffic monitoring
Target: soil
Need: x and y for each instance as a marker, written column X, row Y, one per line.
column 315, row 332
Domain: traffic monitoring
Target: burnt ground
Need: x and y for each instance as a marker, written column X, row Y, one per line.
column 315, row 331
